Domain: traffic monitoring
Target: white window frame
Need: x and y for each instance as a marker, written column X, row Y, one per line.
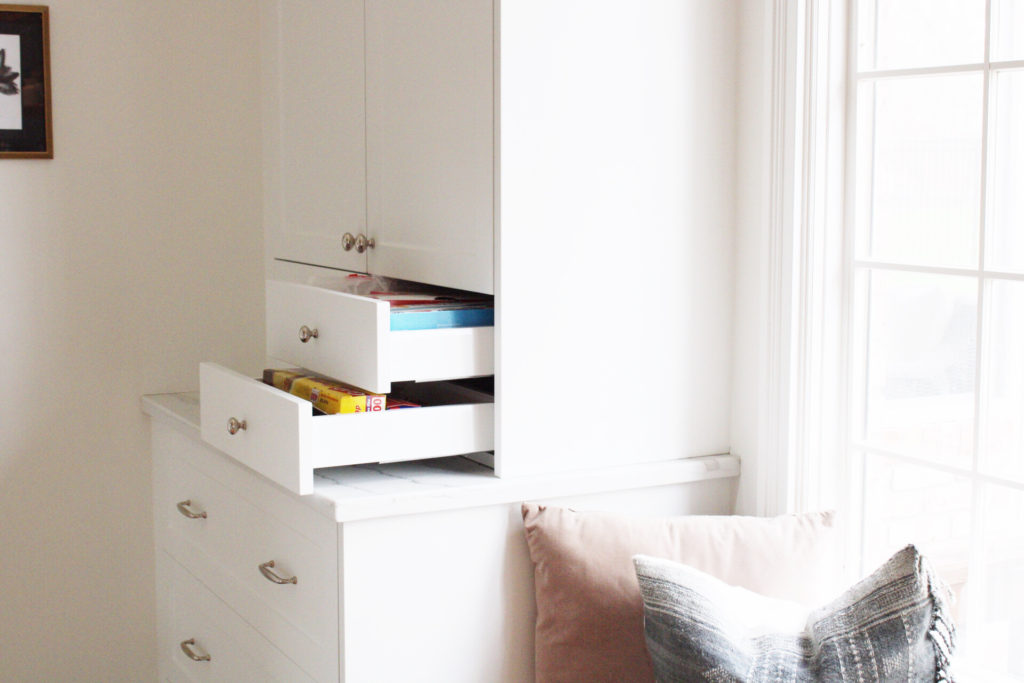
column 795, row 213
column 792, row 150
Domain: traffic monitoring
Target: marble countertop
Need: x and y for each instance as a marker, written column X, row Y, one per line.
column 370, row 491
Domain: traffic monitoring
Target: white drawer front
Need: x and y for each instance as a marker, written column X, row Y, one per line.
column 284, row 441
column 223, row 539
column 277, row 438
column 354, row 342
column 352, row 333
column 207, row 627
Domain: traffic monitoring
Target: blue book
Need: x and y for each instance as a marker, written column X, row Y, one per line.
column 434, row 319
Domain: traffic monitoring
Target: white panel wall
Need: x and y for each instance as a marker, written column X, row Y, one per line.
column 616, row 209
column 125, row 260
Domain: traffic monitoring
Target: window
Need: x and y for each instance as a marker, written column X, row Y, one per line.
column 936, row 313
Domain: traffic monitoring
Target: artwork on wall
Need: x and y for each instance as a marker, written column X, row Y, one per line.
column 26, row 130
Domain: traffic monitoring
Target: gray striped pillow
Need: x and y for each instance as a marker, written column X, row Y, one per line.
column 892, row 626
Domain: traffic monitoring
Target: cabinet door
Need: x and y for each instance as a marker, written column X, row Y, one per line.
column 314, row 130
column 430, row 140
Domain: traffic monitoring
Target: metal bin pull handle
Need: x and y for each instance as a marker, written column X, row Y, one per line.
column 267, row 570
column 185, row 508
column 186, row 647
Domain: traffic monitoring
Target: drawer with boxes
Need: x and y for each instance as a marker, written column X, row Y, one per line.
column 358, row 337
column 281, row 437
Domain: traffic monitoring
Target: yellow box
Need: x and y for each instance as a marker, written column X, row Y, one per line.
column 328, row 396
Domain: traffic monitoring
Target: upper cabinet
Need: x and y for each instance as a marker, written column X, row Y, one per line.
column 596, row 155
column 314, row 130
column 430, row 140
column 380, row 137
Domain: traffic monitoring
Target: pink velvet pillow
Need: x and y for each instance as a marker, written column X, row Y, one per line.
column 589, row 610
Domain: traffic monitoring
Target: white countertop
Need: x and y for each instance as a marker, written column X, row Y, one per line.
column 359, row 492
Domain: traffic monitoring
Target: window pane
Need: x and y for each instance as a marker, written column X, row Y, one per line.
column 1004, row 241
column 993, row 630
column 920, row 365
column 919, row 169
column 900, row 34
column 911, row 504
column 1002, row 416
column 1007, row 29
column 906, row 503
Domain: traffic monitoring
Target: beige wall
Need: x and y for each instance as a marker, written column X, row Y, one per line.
column 124, row 261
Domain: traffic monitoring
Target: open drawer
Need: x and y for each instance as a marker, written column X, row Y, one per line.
column 278, row 435
column 349, row 337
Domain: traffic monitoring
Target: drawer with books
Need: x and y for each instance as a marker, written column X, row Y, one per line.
column 284, row 438
column 371, row 340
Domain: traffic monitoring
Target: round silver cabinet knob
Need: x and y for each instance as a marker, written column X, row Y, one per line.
column 348, row 241
column 234, row 425
column 305, row 334
column 362, row 243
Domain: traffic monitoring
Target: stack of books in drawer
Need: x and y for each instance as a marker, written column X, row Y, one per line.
column 426, row 311
column 415, row 306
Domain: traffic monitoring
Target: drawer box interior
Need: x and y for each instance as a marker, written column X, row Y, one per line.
column 436, row 394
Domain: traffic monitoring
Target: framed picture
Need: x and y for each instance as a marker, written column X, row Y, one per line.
column 26, row 129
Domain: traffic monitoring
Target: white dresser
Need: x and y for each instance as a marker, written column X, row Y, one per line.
column 412, row 571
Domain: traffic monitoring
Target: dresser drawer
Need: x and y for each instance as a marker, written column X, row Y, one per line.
column 201, row 639
column 354, row 343
column 230, row 544
column 284, row 441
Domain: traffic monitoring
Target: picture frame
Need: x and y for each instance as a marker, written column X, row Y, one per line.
column 26, row 116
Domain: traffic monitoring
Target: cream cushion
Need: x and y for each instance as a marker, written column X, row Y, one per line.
column 589, row 609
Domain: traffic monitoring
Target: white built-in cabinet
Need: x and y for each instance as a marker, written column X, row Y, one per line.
column 589, row 146
column 380, row 137
column 579, row 164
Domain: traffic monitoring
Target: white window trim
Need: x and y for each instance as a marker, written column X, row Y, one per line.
column 791, row 215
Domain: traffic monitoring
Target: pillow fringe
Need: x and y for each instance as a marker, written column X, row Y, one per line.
column 942, row 632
